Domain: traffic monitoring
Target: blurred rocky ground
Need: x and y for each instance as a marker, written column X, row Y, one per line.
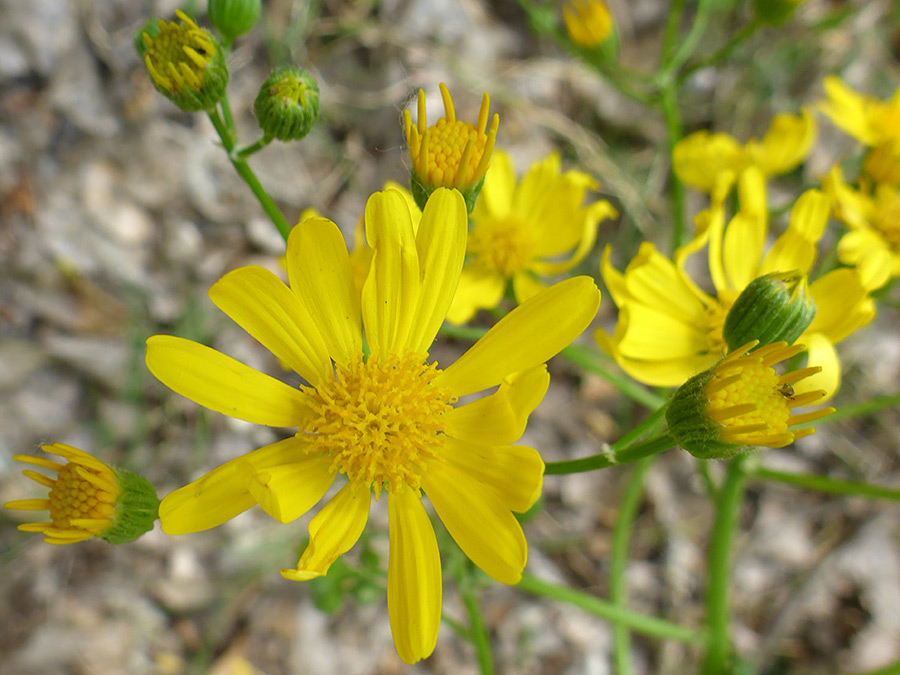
column 118, row 211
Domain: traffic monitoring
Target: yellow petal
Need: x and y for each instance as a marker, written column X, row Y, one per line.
column 478, row 289
column 699, row 158
column 786, row 144
column 495, row 200
column 414, row 577
column 531, row 197
column 222, row 493
column 871, row 255
column 655, row 281
column 656, row 336
column 441, row 246
column 501, row 417
column 513, row 472
column 562, row 224
column 288, row 491
column 742, row 249
column 333, row 532
column 264, row 307
column 821, row 353
column 526, row 286
column 796, row 248
column 809, row 214
column 842, row 302
column 848, row 110
column 320, row 274
column 529, row 335
column 584, row 223
column 614, row 279
column 854, row 208
column 479, row 522
column 391, row 291
column 220, row 383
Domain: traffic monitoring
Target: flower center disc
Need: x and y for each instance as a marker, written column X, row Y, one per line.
column 74, row 497
column 178, row 55
column 446, row 143
column 757, row 385
column 379, row 420
column 502, row 246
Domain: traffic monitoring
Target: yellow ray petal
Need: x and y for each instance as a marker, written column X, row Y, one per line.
column 288, row 491
column 414, row 577
column 441, row 246
column 821, row 353
column 871, row 255
column 742, row 249
column 264, row 307
column 526, row 286
column 786, row 144
column 478, row 521
column 478, row 289
column 699, row 158
column 220, row 383
column 656, row 336
column 655, row 281
column 529, row 335
column 842, row 304
column 513, row 472
column 501, row 417
column 391, row 291
column 333, row 532
column 320, row 273
column 495, row 200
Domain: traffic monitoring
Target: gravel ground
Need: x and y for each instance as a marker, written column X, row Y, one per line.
column 117, row 212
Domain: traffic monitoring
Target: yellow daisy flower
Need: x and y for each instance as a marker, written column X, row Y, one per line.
column 702, row 158
column 450, row 153
column 588, row 22
column 669, row 328
column 87, row 499
column 538, row 227
column 873, row 243
column 871, row 121
column 386, row 422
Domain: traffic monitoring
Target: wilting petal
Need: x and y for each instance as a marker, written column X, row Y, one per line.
column 414, row 577
column 333, row 531
column 478, row 521
column 441, row 245
column 320, row 273
column 220, row 383
column 263, row 306
column 501, row 417
column 529, row 335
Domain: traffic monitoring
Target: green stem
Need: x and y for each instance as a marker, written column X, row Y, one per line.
column 477, row 629
column 674, row 132
column 673, row 20
column 864, row 408
column 244, row 153
column 832, row 486
column 723, row 52
column 641, row 429
column 245, row 172
column 611, row 457
column 687, row 46
column 639, row 623
column 618, row 561
column 226, row 114
column 719, row 565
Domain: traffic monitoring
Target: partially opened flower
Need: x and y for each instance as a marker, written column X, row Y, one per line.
column 449, row 153
column 871, row 121
column 524, row 231
column 742, row 401
column 386, row 422
column 873, row 216
column 588, row 23
column 87, row 499
column 669, row 328
column 701, row 158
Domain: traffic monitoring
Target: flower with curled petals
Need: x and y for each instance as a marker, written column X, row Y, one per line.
column 382, row 421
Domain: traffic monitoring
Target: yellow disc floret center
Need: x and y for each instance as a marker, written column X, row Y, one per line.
column 756, row 386
column 380, row 420
column 887, row 215
column 446, row 142
column 502, row 246
column 80, row 493
column 177, row 57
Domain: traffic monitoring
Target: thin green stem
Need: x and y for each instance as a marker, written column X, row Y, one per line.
column 686, row 47
column 864, row 408
column 618, row 561
column 832, row 486
column 723, row 52
column 719, row 566
column 477, row 629
column 673, row 22
column 639, row 623
column 674, row 132
column 244, row 171
column 611, row 457
column 642, row 428
column 226, row 114
column 245, row 152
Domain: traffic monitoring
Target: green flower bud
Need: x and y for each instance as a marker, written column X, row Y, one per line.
column 137, row 508
column 233, row 18
column 742, row 401
column 151, row 28
column 186, row 64
column 287, row 104
column 776, row 307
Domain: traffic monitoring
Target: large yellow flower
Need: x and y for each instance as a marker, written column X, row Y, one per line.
column 873, row 216
column 538, row 227
column 669, row 328
column 871, row 121
column 701, row 158
column 387, row 421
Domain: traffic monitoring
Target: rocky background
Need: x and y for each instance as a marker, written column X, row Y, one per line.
column 118, row 211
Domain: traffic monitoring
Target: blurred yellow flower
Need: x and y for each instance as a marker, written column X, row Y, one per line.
column 871, row 121
column 449, row 153
column 702, row 158
column 669, row 328
column 521, row 231
column 873, row 216
column 588, row 22
column 387, row 421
